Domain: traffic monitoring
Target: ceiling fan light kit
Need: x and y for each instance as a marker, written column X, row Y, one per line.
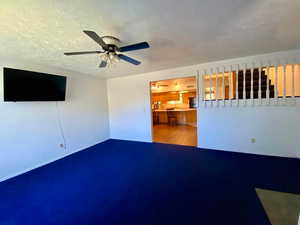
column 111, row 52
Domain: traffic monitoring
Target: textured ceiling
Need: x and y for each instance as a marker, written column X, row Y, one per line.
column 180, row 32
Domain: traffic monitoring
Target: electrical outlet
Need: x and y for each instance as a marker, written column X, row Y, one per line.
column 62, row 146
column 253, row 140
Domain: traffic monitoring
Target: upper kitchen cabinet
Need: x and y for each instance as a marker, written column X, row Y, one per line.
column 164, row 97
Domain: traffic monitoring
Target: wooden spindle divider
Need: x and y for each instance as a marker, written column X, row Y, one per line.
column 230, row 81
column 268, row 84
column 237, row 85
column 259, row 83
column 251, row 91
column 273, row 75
column 204, row 87
column 223, row 86
column 284, row 82
column 244, row 83
column 293, row 81
column 276, row 83
column 198, row 89
column 217, row 87
column 210, row 86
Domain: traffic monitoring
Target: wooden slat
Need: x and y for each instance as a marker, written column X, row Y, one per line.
column 230, row 84
column 293, row 80
column 296, row 79
column 244, row 84
column 204, row 87
column 223, row 86
column 276, row 83
column 251, row 91
column 259, row 84
column 268, row 85
column 284, row 82
column 210, row 87
column 198, row 89
column 237, row 85
column 217, row 86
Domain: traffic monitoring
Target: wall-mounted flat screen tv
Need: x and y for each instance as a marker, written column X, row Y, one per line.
column 21, row 85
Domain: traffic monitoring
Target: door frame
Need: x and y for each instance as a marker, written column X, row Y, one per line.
column 197, row 100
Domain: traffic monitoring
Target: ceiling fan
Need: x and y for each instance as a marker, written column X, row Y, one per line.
column 111, row 51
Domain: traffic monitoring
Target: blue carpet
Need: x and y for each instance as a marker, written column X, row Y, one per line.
column 133, row 183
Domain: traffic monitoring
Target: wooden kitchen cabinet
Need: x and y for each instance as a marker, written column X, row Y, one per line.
column 184, row 117
column 165, row 97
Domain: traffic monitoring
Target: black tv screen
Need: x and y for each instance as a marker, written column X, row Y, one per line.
column 21, row 85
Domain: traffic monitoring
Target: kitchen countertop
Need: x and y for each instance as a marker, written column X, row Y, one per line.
column 175, row 110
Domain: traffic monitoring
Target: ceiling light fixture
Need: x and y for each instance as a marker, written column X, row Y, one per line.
column 110, row 58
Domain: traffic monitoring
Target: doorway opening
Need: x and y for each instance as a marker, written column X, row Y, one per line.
column 174, row 111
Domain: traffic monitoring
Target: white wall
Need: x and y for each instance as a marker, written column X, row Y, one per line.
column 29, row 131
column 276, row 128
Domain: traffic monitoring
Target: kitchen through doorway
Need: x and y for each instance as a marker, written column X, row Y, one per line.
column 174, row 111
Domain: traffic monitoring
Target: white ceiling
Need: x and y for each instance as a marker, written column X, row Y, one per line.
column 180, row 32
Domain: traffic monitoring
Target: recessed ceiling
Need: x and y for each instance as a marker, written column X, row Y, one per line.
column 180, row 32
column 179, row 84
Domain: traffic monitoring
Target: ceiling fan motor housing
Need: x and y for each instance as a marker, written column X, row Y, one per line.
column 110, row 40
column 112, row 48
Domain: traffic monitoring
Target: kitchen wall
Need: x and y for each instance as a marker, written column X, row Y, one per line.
column 30, row 135
column 264, row 129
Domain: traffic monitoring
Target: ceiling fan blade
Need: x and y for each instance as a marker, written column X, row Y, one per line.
column 82, row 53
column 128, row 59
column 133, row 47
column 96, row 38
column 103, row 64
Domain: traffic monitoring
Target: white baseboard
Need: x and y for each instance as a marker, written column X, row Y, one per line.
column 47, row 162
column 248, row 152
column 131, row 139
